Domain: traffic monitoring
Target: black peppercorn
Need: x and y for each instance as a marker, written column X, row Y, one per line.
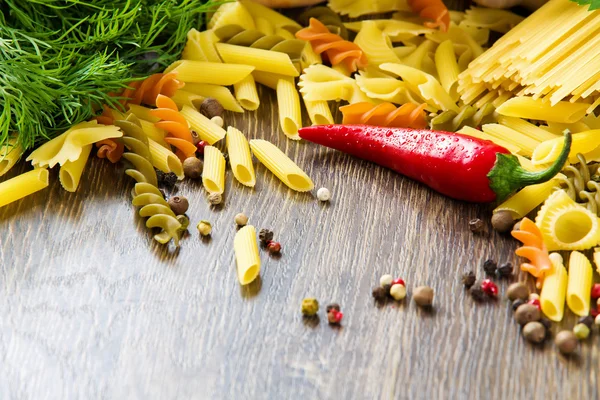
column 380, row 294
column 516, row 304
column 505, row 270
column 333, row 306
column 477, row 293
column 387, row 289
column 587, row 320
column 490, row 266
column 166, row 180
column 265, row 236
column 476, row 225
column 468, row 279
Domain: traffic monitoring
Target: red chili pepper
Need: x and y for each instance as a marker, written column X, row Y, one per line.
column 456, row 165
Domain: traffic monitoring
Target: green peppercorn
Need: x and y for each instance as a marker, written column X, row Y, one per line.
column 502, row 221
column 184, row 221
column 179, row 204
column 310, row 307
column 581, row 331
column 192, row 167
column 204, row 227
column 566, row 341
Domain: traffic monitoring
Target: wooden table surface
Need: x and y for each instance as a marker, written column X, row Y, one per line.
column 92, row 308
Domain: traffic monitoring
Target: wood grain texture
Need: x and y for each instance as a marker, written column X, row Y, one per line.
column 92, row 308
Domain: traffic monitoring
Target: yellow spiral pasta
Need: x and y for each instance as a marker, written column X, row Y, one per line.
column 156, row 209
column 579, row 284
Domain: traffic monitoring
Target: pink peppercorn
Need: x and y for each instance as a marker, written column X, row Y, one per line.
column 398, row 281
column 594, row 312
column 334, row 316
column 596, row 291
column 200, row 147
column 273, row 247
column 535, row 302
column 489, row 287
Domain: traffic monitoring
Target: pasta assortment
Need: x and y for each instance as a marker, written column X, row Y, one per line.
column 534, row 248
column 385, row 114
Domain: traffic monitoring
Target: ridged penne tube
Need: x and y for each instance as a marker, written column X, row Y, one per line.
column 164, row 159
column 231, row 13
column 71, row 171
column 597, row 258
column 580, row 284
column 526, row 143
column 530, row 108
column 211, row 72
column 281, row 165
column 267, row 79
column 467, row 130
column 288, row 104
column 154, row 133
column 527, row 199
column 276, row 19
column 246, row 254
column 526, row 128
column 554, row 291
column 259, row 59
column 206, row 129
column 319, row 112
column 240, row 158
column 200, row 46
column 309, row 57
column 10, row 152
column 583, row 142
column 219, row 93
column 213, row 175
column 447, row 68
column 23, row 185
column 246, row 94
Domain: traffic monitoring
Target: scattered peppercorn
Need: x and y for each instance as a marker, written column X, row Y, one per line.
column 179, row 204
column 215, row 198
column 241, row 219
column 167, row 180
column 211, row 107
column 184, row 221
column 204, row 227
column 476, row 225
column 477, row 293
column 200, row 147
column 505, row 270
column 398, row 281
column 596, row 291
column 566, row 341
column 490, row 266
column 489, row 288
column 527, row 313
column 265, row 236
column 535, row 303
column 468, row 279
column 310, row 307
column 274, row 247
column 398, row 292
column 534, row 296
column 195, row 137
column 387, row 289
column 515, row 304
column 534, row 332
column 386, row 279
column 587, row 321
column 423, row 296
column 323, row 194
column 333, row 306
column 502, row 221
column 517, row 290
column 547, row 324
column 594, row 312
column 335, row 317
column 192, row 167
column 379, row 293
column 217, row 120
column 581, row 331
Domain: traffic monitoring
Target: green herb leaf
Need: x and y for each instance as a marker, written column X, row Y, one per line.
column 594, row 4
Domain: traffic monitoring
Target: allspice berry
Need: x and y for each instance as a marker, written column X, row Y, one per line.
column 534, row 332
column 241, row 219
column 527, row 313
column 423, row 296
column 192, row 167
column 566, row 341
column 502, row 221
column 215, row 198
column 517, row 290
column 211, row 107
column 310, row 307
column 179, row 204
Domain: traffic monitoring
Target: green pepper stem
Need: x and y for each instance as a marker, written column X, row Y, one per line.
column 508, row 176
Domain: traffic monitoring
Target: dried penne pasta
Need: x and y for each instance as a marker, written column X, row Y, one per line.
column 319, row 112
column 554, row 291
column 23, row 185
column 10, row 153
column 211, row 72
column 447, row 68
column 527, row 199
column 276, row 19
column 288, row 104
column 530, row 108
column 579, row 284
column 526, row 143
column 246, row 254
column 164, row 159
column 467, row 130
column 154, row 133
column 231, row 13
column 246, row 94
column 200, row 46
column 259, row 59
column 219, row 93
column 597, row 258
column 71, row 171
column 240, row 158
column 526, row 128
column 268, row 79
column 281, row 165
column 206, row 129
column 309, row 57
column 213, row 175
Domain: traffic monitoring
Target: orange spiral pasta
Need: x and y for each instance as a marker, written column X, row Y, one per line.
column 534, row 249
column 147, row 90
column 335, row 48
column 385, row 114
column 174, row 123
column 433, row 10
column 110, row 149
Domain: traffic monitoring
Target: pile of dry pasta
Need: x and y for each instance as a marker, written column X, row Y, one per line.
column 423, row 66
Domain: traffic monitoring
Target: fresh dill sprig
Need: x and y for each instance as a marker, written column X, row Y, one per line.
column 59, row 59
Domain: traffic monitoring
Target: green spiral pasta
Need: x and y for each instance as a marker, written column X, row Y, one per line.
column 146, row 193
column 328, row 17
column 582, row 184
column 452, row 121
